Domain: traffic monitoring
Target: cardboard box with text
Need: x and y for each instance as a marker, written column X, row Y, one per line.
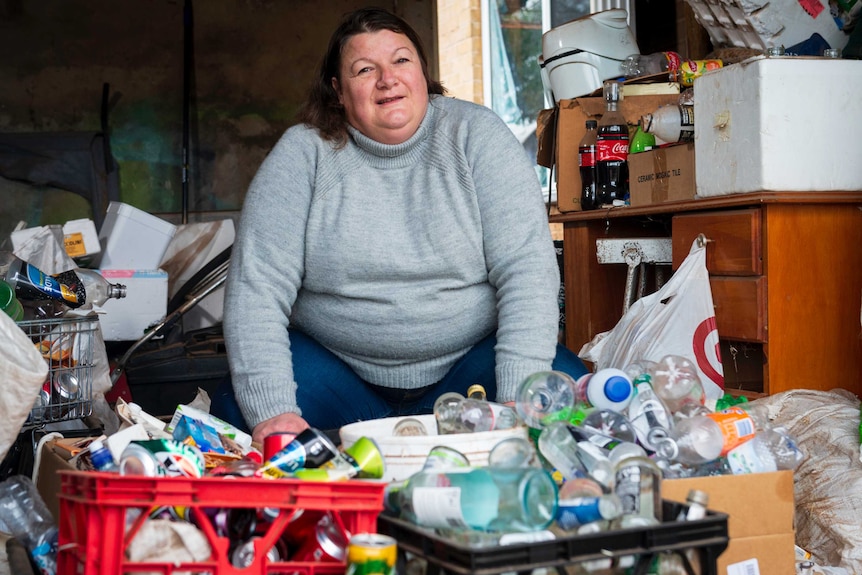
column 662, row 175
column 559, row 135
column 760, row 509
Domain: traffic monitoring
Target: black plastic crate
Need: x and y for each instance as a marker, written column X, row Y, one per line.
column 708, row 535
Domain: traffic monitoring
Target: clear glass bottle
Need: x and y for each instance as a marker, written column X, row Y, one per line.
column 545, row 396
column 612, row 149
column 491, row 499
column 647, row 64
column 573, row 457
column 445, row 410
column 638, row 485
column 649, row 415
column 587, row 166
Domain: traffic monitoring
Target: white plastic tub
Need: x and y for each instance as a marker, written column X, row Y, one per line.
column 404, row 456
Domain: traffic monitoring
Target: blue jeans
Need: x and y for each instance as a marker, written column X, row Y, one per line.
column 331, row 395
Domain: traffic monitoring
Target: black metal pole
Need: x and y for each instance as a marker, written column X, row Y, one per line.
column 188, row 62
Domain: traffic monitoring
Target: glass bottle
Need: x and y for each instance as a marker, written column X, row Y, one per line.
column 445, row 410
column 612, row 149
column 638, row 485
column 649, row 415
column 9, row 304
column 647, row 64
column 490, row 499
column 587, row 166
column 545, row 396
column 573, row 457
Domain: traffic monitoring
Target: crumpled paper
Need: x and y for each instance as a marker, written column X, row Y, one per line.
column 43, row 247
column 169, row 541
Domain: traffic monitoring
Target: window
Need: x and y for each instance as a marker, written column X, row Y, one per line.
column 512, row 44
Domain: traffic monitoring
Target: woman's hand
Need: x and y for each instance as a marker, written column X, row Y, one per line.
column 289, row 422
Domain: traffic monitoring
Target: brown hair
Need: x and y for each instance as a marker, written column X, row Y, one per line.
column 321, row 109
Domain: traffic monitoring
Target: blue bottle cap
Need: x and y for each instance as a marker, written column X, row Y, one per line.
column 618, row 388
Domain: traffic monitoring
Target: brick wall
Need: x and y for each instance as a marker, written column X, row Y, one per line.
column 459, row 41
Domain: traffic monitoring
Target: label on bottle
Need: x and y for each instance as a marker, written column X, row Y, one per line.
column 586, row 156
column 736, row 425
column 576, row 511
column 690, row 70
column 438, row 507
column 686, row 123
column 49, row 285
column 616, row 149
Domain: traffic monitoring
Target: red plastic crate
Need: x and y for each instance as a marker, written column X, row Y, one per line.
column 94, row 538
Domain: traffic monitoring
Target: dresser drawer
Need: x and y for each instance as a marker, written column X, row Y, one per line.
column 734, row 246
column 740, row 307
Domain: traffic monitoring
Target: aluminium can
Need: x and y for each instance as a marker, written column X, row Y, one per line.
column 371, row 554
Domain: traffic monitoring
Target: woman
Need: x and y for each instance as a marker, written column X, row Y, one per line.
column 392, row 247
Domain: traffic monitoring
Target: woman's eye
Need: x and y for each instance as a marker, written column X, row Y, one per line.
column 364, row 70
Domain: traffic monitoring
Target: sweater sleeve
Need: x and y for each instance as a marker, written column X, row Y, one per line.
column 519, row 254
column 264, row 277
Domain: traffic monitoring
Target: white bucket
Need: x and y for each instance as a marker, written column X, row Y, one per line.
column 404, row 456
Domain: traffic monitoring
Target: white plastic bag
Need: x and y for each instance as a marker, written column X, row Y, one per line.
column 22, row 372
column 678, row 319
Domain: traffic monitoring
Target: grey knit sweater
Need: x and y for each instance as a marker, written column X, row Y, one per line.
column 398, row 258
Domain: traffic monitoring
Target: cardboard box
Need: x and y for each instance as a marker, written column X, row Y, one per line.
column 145, row 304
column 54, row 457
column 662, row 175
column 778, row 124
column 561, row 144
column 760, row 508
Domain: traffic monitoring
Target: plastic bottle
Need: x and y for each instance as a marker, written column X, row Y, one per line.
column 27, row 518
column 609, row 423
column 647, row 64
column 649, row 416
column 697, row 501
column 638, row 485
column 30, row 283
column 587, row 166
column 675, row 380
column 641, row 142
column 9, row 304
column 671, row 124
column 492, row 499
column 768, row 450
column 101, row 457
column 573, row 512
column 701, row 439
column 98, row 289
column 612, row 149
column 608, row 388
column 545, row 396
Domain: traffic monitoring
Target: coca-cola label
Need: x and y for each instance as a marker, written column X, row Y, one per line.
column 587, row 156
column 610, row 150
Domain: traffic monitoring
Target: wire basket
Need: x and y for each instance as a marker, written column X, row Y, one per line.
column 66, row 344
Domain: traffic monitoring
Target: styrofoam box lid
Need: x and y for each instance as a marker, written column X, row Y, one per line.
column 405, row 456
column 132, row 238
column 779, row 124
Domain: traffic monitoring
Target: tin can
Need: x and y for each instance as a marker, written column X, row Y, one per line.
column 366, row 458
column 301, row 525
column 161, row 458
column 311, row 448
column 371, row 554
column 243, row 554
column 328, row 543
column 66, row 386
column 275, row 442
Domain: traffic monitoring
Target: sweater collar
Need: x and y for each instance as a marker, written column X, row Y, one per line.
column 405, row 152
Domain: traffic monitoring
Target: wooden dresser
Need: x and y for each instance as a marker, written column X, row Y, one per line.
column 786, row 276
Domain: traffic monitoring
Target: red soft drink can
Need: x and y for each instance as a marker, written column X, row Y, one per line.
column 310, row 449
column 326, row 544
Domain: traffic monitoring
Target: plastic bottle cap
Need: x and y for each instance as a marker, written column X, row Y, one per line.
column 618, row 388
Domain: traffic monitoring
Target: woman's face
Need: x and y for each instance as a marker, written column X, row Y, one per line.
column 382, row 87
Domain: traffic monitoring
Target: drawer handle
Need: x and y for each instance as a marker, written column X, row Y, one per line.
column 702, row 240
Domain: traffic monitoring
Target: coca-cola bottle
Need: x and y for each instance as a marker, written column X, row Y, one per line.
column 587, row 166
column 612, row 149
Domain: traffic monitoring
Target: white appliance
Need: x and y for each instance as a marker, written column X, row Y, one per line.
column 578, row 56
